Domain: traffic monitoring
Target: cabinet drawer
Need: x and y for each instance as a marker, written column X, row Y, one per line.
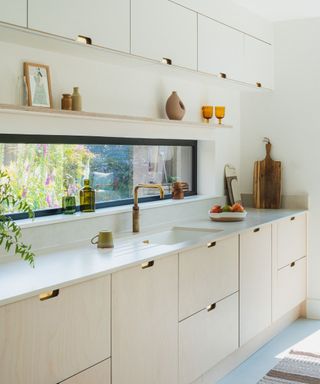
column 56, row 338
column 98, row 374
column 206, row 338
column 207, row 275
column 290, row 288
column 255, row 282
column 291, row 239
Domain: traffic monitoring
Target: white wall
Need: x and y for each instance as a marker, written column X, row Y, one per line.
column 132, row 88
column 290, row 117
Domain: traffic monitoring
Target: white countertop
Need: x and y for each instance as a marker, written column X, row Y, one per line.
column 60, row 267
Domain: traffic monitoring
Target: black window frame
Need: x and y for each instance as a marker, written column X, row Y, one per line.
column 91, row 140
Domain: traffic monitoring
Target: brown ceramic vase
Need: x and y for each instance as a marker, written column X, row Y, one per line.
column 174, row 107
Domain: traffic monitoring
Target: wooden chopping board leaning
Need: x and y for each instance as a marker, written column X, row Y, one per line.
column 267, row 181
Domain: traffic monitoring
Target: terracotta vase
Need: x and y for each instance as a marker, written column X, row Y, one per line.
column 174, row 107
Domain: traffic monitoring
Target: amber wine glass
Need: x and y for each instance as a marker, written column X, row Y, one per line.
column 220, row 113
column 207, row 112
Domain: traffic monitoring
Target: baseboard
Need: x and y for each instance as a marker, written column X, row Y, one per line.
column 313, row 309
column 243, row 353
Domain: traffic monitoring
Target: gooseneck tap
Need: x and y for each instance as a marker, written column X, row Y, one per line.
column 135, row 209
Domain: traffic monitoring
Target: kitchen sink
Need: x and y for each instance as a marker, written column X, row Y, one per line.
column 178, row 235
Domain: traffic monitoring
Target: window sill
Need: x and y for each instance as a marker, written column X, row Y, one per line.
column 57, row 219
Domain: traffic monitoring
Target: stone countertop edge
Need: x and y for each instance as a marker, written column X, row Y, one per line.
column 73, row 264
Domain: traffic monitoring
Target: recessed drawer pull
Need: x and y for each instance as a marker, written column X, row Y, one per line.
column 84, row 39
column 49, row 295
column 166, row 60
column 211, row 307
column 292, row 218
column 259, row 85
column 212, row 244
column 148, row 264
column 292, row 264
column 223, row 75
column 256, row 230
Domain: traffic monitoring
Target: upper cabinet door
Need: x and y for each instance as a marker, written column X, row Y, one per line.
column 220, row 49
column 106, row 22
column 161, row 29
column 14, row 12
column 258, row 62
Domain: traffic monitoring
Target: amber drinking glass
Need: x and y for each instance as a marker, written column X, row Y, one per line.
column 220, row 113
column 207, row 112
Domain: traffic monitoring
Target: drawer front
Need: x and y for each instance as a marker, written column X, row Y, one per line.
column 291, row 239
column 98, row 374
column 206, row 338
column 207, row 275
column 291, row 287
column 56, row 338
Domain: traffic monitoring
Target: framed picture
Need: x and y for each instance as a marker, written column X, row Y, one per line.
column 38, row 85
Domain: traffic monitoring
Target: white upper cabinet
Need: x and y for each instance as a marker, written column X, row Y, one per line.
column 161, row 29
column 258, row 62
column 14, row 12
column 220, row 49
column 106, row 22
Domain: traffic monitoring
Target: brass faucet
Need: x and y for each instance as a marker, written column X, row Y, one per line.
column 135, row 209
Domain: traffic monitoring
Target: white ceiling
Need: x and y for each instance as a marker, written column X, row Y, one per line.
column 276, row 10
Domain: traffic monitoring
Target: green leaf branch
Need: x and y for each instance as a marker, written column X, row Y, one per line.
column 10, row 232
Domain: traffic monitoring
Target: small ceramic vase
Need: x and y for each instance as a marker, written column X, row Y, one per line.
column 76, row 100
column 66, row 102
column 175, row 108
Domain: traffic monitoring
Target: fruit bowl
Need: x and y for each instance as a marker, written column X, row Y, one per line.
column 228, row 216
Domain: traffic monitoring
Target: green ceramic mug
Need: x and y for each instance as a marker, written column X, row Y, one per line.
column 104, row 239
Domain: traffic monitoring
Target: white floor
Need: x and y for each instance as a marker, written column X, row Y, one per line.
column 253, row 369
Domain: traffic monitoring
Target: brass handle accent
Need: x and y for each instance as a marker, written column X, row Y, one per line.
column 211, row 307
column 148, row 264
column 223, row 75
column 84, row 39
column 212, row 244
column 292, row 264
column 166, row 60
column 49, row 295
column 259, row 85
column 256, row 230
column 292, row 218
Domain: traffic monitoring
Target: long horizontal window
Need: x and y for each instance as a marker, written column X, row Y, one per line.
column 43, row 169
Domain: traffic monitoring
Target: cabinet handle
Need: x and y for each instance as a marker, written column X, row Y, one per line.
column 292, row 264
column 212, row 244
column 166, row 60
column 223, row 75
column 211, row 307
column 148, row 264
column 49, row 295
column 84, row 39
column 292, row 218
column 259, row 85
column 256, row 230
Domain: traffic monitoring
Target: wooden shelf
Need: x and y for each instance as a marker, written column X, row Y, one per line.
column 41, row 121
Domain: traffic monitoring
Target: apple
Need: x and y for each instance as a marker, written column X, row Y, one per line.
column 227, row 208
column 216, row 209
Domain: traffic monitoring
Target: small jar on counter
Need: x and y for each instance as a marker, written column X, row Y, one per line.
column 177, row 191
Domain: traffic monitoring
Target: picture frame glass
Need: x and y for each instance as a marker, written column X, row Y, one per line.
column 39, row 86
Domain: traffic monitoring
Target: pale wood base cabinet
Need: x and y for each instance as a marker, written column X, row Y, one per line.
column 98, row 374
column 49, row 341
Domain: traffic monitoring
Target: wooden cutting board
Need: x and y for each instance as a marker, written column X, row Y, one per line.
column 267, row 182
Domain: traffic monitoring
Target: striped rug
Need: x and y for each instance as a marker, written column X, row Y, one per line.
column 298, row 367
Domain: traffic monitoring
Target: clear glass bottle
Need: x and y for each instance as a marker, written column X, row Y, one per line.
column 87, row 197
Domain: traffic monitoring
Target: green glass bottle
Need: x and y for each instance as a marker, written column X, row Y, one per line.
column 87, row 197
